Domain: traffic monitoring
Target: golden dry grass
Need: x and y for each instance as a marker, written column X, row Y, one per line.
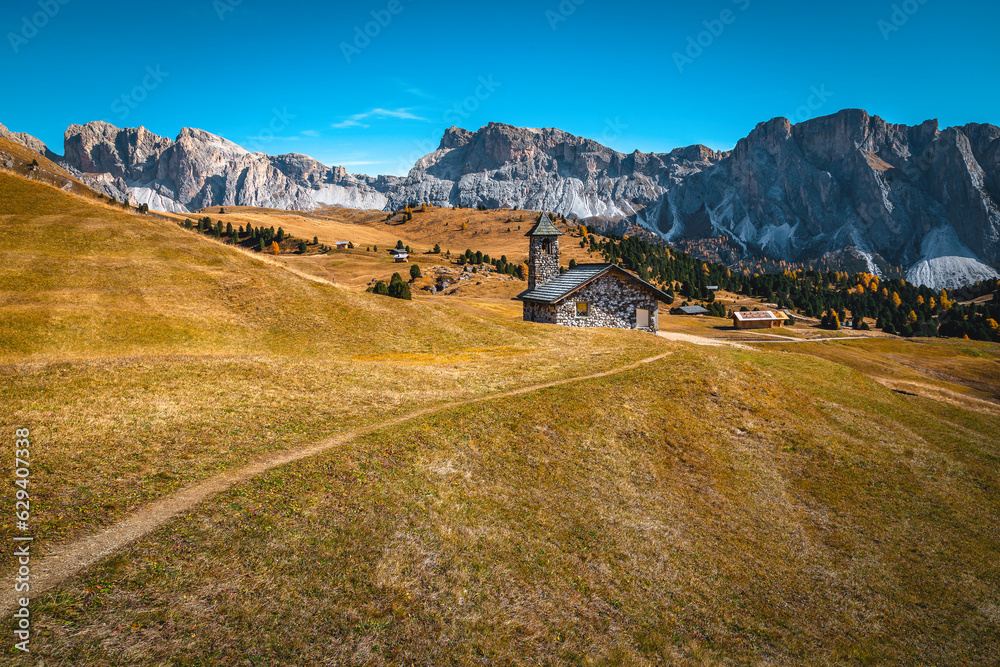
column 144, row 357
column 725, row 505
column 487, row 232
column 767, row 518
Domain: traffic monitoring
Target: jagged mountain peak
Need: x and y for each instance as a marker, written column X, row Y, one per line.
column 848, row 180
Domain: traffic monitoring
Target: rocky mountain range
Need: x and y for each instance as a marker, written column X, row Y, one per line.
column 912, row 196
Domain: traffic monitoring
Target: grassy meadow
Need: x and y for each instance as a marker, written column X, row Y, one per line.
column 790, row 503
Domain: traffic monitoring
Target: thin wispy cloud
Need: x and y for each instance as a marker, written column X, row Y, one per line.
column 357, row 119
column 310, row 133
column 419, row 93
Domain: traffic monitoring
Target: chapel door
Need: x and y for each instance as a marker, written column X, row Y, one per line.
column 641, row 318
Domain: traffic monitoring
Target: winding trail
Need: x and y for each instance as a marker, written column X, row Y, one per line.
column 66, row 560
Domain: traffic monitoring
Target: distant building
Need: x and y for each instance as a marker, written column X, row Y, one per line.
column 712, row 288
column 343, row 245
column 588, row 295
column 690, row 310
column 759, row 319
column 399, row 254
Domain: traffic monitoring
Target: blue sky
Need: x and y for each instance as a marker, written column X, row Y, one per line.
column 297, row 77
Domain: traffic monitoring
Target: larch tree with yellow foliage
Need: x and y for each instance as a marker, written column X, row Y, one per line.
column 946, row 303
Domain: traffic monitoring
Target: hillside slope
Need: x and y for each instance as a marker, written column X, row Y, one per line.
column 716, row 505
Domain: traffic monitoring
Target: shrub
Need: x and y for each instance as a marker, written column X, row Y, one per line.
column 437, row 249
column 398, row 288
column 414, row 272
column 315, row 240
column 302, row 247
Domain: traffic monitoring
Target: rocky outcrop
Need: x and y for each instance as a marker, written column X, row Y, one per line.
column 548, row 169
column 916, row 197
column 27, row 140
column 200, row 169
column 847, row 184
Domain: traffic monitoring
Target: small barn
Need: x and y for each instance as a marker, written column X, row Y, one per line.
column 759, row 319
column 342, row 245
column 399, row 255
column 690, row 310
column 587, row 295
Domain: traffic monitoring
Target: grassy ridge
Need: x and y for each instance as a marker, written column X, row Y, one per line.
column 723, row 505
column 81, row 280
column 826, row 520
column 144, row 357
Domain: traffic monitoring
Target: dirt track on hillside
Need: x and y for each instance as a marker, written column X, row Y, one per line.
column 66, row 560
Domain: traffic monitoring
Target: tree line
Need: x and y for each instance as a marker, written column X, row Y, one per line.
column 898, row 307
